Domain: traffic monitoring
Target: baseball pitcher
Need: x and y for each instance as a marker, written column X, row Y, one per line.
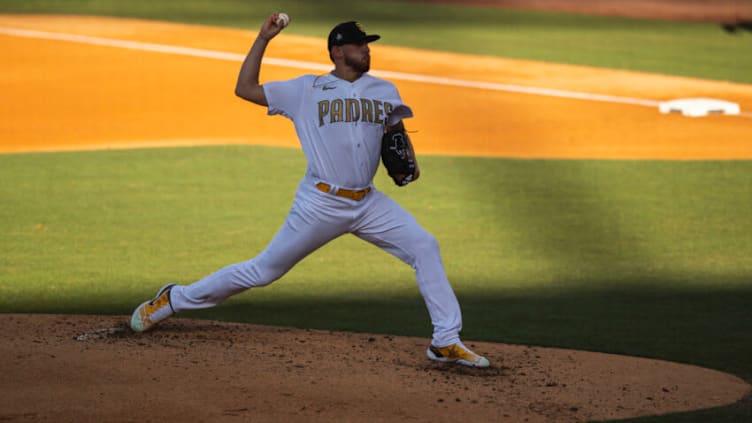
column 348, row 122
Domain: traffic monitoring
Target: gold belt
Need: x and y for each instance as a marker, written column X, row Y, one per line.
column 347, row 193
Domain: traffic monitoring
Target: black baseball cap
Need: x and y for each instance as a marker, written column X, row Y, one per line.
column 349, row 33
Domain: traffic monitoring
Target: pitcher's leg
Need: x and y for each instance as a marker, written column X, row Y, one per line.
column 442, row 304
column 387, row 225
column 298, row 237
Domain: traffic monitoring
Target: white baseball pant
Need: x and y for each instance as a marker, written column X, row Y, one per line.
column 316, row 218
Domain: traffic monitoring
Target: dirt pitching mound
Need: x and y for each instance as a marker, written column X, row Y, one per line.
column 93, row 369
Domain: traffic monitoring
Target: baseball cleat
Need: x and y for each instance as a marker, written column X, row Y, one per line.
column 457, row 353
column 150, row 313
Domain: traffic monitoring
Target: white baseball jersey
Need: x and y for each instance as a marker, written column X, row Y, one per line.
column 339, row 123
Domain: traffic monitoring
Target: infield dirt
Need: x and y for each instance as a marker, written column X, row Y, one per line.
column 94, row 369
column 62, row 95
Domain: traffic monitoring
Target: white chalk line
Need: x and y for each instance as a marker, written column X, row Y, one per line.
column 298, row 64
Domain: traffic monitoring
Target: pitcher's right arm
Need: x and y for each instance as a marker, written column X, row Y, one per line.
column 248, row 86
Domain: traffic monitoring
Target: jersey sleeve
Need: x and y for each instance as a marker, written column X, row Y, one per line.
column 399, row 110
column 283, row 97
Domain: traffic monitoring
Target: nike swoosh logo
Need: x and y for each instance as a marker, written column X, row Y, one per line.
column 327, row 87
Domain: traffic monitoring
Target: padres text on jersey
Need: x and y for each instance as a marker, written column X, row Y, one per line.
column 353, row 110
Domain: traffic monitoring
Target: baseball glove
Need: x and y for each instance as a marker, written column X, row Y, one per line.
column 398, row 157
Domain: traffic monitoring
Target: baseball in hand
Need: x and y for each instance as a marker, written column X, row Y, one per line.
column 282, row 19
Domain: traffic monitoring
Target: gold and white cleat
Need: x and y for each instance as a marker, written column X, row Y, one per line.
column 150, row 313
column 457, row 353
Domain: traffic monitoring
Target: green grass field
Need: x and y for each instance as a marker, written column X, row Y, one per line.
column 647, row 258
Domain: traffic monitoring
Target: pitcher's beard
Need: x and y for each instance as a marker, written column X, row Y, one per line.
column 362, row 66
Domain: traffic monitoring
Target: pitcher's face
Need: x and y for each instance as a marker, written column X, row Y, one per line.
column 357, row 56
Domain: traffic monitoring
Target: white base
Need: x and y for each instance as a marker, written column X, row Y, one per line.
column 697, row 107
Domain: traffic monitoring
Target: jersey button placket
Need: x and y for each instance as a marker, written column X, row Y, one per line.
column 354, row 95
